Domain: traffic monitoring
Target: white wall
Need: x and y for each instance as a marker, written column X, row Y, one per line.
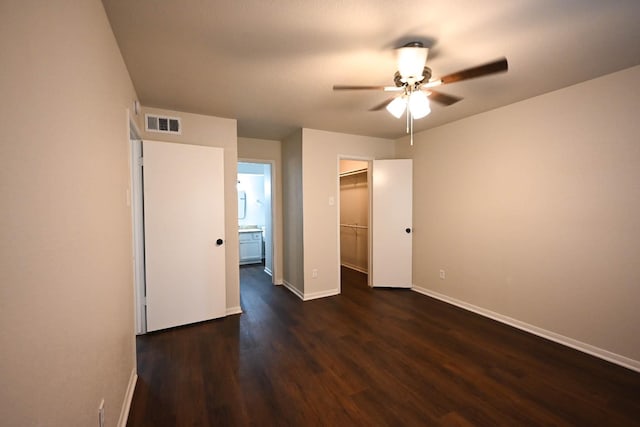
column 253, row 186
column 321, row 151
column 533, row 210
column 66, row 291
column 214, row 132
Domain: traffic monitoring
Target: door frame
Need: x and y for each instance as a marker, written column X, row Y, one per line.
column 137, row 228
column 369, row 161
column 275, row 259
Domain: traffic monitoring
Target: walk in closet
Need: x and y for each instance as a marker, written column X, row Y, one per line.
column 354, row 215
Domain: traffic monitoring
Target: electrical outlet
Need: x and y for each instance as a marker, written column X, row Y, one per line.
column 442, row 275
column 101, row 414
column 314, row 273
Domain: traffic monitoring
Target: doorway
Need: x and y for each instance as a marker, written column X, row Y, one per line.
column 255, row 214
column 355, row 217
column 375, row 220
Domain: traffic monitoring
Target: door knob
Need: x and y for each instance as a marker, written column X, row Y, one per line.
column 219, row 242
column 407, row 230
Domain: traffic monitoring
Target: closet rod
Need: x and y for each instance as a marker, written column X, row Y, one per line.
column 354, row 226
column 355, row 172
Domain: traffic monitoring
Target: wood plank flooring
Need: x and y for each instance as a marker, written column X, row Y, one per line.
column 371, row 358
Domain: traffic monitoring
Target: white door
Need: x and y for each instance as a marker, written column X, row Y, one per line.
column 392, row 223
column 184, row 233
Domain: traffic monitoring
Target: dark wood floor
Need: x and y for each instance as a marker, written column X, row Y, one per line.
column 369, row 357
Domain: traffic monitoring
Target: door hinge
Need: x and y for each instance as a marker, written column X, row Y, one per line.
column 140, row 161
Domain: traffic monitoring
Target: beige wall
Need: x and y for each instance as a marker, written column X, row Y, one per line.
column 214, row 132
column 533, row 211
column 293, row 261
column 66, row 291
column 264, row 149
column 321, row 151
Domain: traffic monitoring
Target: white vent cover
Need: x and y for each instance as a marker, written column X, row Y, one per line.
column 162, row 124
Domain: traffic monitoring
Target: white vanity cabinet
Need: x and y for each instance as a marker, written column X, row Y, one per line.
column 250, row 246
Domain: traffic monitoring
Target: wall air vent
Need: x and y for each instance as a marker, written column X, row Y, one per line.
column 162, row 124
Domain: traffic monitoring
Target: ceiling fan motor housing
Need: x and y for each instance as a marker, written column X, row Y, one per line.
column 426, row 74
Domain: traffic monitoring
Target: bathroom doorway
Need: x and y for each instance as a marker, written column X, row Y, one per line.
column 255, row 214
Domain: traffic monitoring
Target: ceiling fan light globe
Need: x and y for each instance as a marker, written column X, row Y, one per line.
column 411, row 62
column 397, row 107
column 419, row 105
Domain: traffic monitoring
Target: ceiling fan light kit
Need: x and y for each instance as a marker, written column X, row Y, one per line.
column 417, row 102
column 419, row 105
column 413, row 79
column 397, row 106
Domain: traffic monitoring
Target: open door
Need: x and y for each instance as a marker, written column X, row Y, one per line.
column 392, row 196
column 183, row 233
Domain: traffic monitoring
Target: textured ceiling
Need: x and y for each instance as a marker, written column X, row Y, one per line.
column 271, row 64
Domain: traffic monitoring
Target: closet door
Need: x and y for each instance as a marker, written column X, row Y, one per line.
column 392, row 200
column 184, row 233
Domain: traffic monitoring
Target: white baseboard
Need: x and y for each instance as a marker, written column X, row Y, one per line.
column 128, row 397
column 274, row 280
column 311, row 296
column 321, row 294
column 293, row 290
column 355, row 267
column 234, row 310
column 560, row 339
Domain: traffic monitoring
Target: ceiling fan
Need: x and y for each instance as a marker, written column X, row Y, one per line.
column 414, row 84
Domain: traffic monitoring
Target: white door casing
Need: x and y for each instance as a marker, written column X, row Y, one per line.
column 392, row 228
column 268, row 220
column 183, row 220
column 138, row 235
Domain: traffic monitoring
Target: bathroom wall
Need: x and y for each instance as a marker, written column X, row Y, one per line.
column 253, row 186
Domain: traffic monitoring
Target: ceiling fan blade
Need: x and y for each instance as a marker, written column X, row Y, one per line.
column 347, row 87
column 482, row 70
column 382, row 104
column 443, row 98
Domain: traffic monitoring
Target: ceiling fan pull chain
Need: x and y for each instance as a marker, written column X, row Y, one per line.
column 411, row 128
column 408, row 114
